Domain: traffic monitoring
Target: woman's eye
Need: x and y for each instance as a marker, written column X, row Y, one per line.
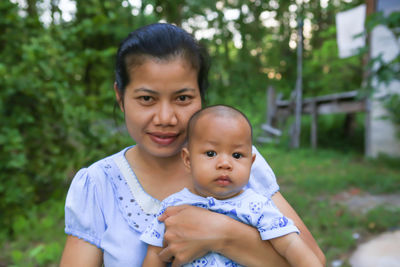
column 237, row 155
column 146, row 98
column 183, row 98
column 211, row 154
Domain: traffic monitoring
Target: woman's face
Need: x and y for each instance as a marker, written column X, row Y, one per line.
column 158, row 102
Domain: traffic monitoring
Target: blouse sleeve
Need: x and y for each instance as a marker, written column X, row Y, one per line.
column 262, row 178
column 154, row 233
column 83, row 212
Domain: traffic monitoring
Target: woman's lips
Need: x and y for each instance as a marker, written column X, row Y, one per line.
column 163, row 139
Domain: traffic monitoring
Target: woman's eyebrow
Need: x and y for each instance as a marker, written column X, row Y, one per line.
column 142, row 89
column 184, row 90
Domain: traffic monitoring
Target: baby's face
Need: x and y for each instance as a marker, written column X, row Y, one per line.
column 220, row 156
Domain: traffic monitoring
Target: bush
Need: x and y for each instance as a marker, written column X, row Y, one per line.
column 55, row 106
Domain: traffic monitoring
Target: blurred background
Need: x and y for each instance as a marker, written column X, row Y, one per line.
column 340, row 170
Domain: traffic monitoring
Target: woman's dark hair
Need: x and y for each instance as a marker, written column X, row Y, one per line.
column 160, row 41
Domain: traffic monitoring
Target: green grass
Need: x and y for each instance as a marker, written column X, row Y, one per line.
column 308, row 179
column 37, row 237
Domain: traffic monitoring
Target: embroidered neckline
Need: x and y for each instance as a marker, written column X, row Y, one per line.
column 137, row 207
column 146, row 202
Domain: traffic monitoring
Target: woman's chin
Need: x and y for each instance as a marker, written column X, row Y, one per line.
column 164, row 152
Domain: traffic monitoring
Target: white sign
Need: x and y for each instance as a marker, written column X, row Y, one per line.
column 349, row 24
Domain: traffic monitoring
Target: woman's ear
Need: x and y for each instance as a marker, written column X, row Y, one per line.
column 186, row 157
column 118, row 97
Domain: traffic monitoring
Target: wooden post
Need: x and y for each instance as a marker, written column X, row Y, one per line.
column 314, row 124
column 295, row 140
column 349, row 125
column 371, row 8
column 271, row 106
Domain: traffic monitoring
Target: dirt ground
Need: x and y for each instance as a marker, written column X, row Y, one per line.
column 382, row 250
column 359, row 201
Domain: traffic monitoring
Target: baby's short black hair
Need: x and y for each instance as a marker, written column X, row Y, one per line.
column 217, row 110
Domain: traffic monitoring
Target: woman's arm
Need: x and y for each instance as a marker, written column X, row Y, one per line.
column 297, row 253
column 192, row 232
column 286, row 209
column 79, row 253
column 152, row 259
column 187, row 241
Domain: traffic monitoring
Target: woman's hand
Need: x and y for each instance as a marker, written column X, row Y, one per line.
column 192, row 232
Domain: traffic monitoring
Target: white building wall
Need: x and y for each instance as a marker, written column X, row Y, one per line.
column 383, row 132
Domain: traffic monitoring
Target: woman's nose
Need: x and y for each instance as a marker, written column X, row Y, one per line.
column 165, row 115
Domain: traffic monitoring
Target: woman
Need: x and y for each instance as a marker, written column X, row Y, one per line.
column 161, row 79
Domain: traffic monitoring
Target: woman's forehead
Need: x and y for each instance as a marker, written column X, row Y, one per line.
column 136, row 60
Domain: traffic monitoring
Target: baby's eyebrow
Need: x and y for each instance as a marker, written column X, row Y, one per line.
column 240, row 144
column 209, row 143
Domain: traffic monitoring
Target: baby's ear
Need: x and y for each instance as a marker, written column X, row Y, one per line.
column 253, row 158
column 186, row 157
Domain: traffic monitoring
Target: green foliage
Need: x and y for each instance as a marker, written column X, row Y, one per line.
column 40, row 237
column 392, row 104
column 325, row 72
column 56, row 105
column 336, row 131
column 386, row 71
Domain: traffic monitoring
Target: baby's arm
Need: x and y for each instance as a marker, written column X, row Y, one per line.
column 152, row 258
column 297, row 253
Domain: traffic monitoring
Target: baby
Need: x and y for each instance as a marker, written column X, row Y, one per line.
column 219, row 157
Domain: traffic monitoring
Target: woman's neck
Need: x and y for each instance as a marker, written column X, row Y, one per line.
column 144, row 160
column 159, row 177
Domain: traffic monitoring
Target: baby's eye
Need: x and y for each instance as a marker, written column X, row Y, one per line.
column 237, row 155
column 211, row 154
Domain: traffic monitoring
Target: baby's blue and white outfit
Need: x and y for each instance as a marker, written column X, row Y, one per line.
column 248, row 207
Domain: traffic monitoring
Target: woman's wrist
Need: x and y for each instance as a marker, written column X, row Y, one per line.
column 232, row 234
column 226, row 235
column 242, row 243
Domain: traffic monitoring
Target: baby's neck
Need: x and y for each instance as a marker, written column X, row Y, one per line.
column 219, row 197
